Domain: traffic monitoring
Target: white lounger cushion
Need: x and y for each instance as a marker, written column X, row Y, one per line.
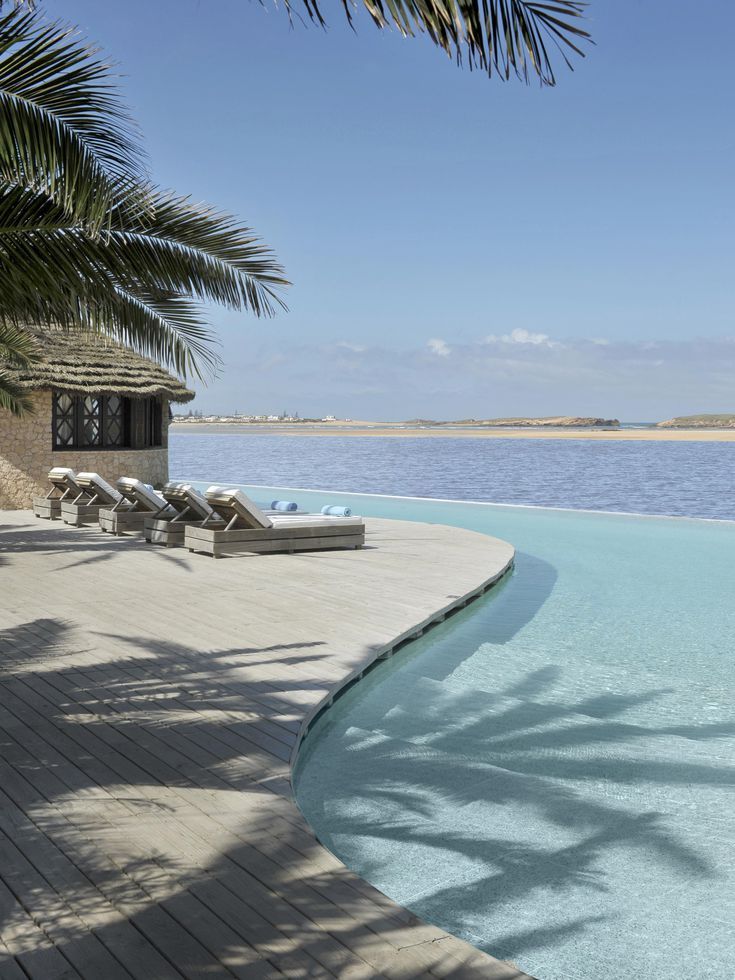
column 317, row 520
column 183, row 495
column 60, row 473
column 94, row 482
column 64, row 478
column 141, row 494
column 247, row 511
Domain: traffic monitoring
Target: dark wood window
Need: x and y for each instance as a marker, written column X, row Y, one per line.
column 64, row 421
column 155, row 422
column 116, row 421
column 106, row 422
column 146, row 423
column 91, row 427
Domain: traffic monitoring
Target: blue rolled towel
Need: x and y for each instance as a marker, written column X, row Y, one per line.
column 334, row 511
column 284, row 505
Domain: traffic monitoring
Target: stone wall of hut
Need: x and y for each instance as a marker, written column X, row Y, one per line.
column 26, row 457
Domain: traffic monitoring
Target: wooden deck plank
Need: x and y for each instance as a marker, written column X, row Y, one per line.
column 9, row 967
column 42, row 850
column 147, row 821
column 61, row 925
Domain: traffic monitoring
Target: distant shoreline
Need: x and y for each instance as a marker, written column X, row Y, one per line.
column 397, row 431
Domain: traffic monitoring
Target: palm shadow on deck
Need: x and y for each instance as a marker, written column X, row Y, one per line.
column 93, row 545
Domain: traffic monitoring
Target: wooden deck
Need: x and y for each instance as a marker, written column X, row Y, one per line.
column 150, row 704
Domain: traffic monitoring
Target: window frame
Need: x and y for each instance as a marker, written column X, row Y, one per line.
column 121, row 418
column 59, row 417
column 140, row 422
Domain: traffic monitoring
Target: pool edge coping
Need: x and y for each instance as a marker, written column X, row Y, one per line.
column 473, row 503
column 388, row 650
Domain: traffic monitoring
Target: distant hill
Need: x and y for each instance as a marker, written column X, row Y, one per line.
column 699, row 422
column 554, row 421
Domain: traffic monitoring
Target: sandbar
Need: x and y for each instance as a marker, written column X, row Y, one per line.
column 387, row 430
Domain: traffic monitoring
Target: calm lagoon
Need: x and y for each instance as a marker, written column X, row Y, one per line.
column 695, row 479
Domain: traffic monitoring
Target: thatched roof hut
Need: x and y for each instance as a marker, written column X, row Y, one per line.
column 84, row 364
column 97, row 405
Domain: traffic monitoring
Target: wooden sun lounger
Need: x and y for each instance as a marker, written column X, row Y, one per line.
column 63, row 487
column 191, row 509
column 138, row 501
column 98, row 495
column 249, row 530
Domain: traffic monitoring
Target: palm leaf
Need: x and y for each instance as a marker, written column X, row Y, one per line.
column 184, row 246
column 62, row 127
column 17, row 346
column 19, row 349
column 500, row 37
column 84, row 241
column 166, row 327
column 152, row 261
column 14, row 398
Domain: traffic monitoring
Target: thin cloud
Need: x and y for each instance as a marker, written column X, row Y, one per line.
column 353, row 348
column 439, row 347
column 529, row 375
column 521, row 336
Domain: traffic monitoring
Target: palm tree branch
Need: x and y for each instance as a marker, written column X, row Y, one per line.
column 14, row 397
column 17, row 349
column 60, row 131
column 500, row 37
column 17, row 346
column 168, row 328
column 48, row 65
column 205, row 254
column 83, row 241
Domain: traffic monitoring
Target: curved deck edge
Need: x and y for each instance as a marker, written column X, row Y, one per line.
column 388, row 650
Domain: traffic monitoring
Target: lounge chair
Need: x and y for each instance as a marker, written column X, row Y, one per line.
column 189, row 508
column 98, row 496
column 63, row 487
column 138, row 500
column 249, row 529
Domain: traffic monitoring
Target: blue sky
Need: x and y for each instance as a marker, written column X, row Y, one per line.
column 457, row 246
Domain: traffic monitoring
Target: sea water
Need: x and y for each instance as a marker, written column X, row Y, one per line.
column 684, row 478
column 549, row 774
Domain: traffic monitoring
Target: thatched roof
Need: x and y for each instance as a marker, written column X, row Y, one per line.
column 83, row 364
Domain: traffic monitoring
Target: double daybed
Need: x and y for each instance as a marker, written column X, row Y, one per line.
column 248, row 528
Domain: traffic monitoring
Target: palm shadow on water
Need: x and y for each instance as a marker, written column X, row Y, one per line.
column 408, row 747
column 146, row 695
column 401, row 779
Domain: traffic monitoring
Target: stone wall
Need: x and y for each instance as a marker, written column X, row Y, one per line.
column 26, row 457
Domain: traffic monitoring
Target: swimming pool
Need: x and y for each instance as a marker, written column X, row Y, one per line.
column 550, row 774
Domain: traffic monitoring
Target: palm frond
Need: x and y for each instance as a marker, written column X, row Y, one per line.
column 154, row 259
column 16, row 345
column 500, row 37
column 14, row 398
column 18, row 348
column 168, row 328
column 84, row 240
column 63, row 129
column 220, row 259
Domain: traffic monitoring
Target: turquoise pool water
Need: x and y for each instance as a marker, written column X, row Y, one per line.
column 549, row 774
